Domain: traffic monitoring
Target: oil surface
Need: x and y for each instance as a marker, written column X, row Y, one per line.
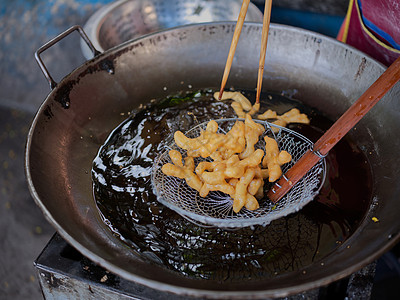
column 124, row 196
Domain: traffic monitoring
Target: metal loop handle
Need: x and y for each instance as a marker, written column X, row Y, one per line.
column 55, row 40
column 317, row 153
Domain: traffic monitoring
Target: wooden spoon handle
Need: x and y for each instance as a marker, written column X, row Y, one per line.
column 338, row 130
column 235, row 39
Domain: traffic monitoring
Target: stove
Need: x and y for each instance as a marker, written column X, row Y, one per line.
column 64, row 273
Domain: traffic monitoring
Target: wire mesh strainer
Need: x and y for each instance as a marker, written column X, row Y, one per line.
column 216, row 208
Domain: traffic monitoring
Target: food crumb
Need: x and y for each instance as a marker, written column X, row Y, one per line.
column 32, row 278
column 11, row 154
column 104, row 278
column 375, row 219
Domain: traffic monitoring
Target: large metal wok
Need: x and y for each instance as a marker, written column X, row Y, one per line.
column 86, row 105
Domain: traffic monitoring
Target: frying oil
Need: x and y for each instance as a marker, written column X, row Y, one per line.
column 123, row 192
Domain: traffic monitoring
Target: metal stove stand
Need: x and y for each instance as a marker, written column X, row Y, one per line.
column 64, row 273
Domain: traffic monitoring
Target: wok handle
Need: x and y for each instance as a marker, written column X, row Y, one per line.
column 54, row 41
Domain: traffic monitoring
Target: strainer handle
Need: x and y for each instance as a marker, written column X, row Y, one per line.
column 54, row 41
column 338, row 130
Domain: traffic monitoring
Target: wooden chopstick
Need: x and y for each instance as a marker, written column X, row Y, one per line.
column 338, row 130
column 264, row 41
column 235, row 39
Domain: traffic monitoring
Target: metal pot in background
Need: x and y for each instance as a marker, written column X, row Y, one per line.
column 82, row 109
column 124, row 20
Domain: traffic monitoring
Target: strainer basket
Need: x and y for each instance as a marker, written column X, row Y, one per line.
column 216, row 209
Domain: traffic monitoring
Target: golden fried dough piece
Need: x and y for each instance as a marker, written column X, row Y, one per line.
column 222, row 187
column 218, row 171
column 233, row 181
column 240, row 196
column 234, row 143
column 254, row 185
column 254, row 109
column 205, row 166
column 176, row 158
column 271, row 159
column 238, row 109
column 241, row 104
column 212, row 174
column 294, row 116
column 237, row 169
column 253, row 131
column 260, row 192
column 269, row 114
column 279, row 122
column 182, row 171
column 203, row 145
column 212, row 126
column 262, row 173
column 237, row 97
column 251, row 202
column 235, row 138
column 253, row 159
column 284, row 157
column 214, row 177
column 224, row 175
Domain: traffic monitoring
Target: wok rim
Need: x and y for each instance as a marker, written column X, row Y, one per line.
column 179, row 289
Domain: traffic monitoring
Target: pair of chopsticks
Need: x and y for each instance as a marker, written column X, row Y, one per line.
column 235, row 39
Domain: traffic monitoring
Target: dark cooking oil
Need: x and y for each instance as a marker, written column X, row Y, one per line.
column 124, row 196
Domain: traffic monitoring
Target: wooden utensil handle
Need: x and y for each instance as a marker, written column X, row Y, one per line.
column 338, row 130
column 232, row 49
column 263, row 50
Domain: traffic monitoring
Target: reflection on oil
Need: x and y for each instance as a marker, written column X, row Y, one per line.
column 122, row 188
